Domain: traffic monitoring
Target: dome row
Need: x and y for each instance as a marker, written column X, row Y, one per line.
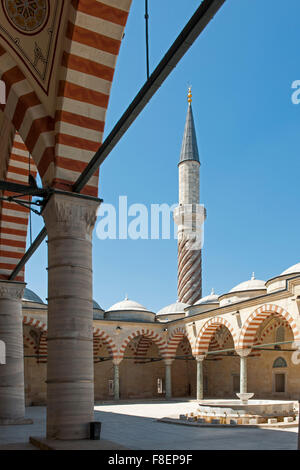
column 129, row 310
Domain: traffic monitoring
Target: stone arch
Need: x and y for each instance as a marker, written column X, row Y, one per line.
column 86, row 73
column 100, row 336
column 30, row 343
column 40, row 347
column 175, row 339
column 13, row 237
column 152, row 335
column 255, row 320
column 207, row 332
column 38, row 324
column 142, row 348
column 43, row 349
column 27, row 113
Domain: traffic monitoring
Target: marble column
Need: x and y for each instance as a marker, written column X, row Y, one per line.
column 200, row 386
column 69, row 221
column 12, row 395
column 243, row 353
column 168, row 377
column 116, row 380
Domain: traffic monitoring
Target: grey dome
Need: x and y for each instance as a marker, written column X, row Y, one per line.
column 127, row 305
column 96, row 306
column 292, row 270
column 30, row 296
column 209, row 299
column 175, row 308
column 252, row 284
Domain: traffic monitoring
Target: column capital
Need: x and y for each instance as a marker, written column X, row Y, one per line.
column 243, row 352
column 12, row 290
column 68, row 214
column 168, row 362
column 117, row 361
column 200, row 358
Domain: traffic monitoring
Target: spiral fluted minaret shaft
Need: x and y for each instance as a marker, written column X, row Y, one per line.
column 189, row 216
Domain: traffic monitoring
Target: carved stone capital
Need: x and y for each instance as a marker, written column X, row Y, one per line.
column 67, row 215
column 12, row 290
column 200, row 358
column 168, row 362
column 243, row 352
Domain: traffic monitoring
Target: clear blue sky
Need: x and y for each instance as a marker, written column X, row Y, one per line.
column 241, row 69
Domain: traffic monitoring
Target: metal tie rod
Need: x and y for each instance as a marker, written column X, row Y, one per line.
column 204, row 14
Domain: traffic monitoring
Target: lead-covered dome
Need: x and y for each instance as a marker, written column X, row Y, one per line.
column 279, row 282
column 172, row 312
column 98, row 312
column 127, row 305
column 244, row 291
column 209, row 299
column 30, row 296
column 292, row 270
column 252, row 284
column 129, row 310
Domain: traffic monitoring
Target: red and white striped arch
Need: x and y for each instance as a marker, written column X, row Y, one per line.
column 62, row 145
column 38, row 324
column 101, row 337
column 150, row 334
column 13, row 217
column 255, row 320
column 43, row 349
column 26, row 112
column 142, row 348
column 208, row 331
column 93, row 38
column 30, row 343
column 177, row 335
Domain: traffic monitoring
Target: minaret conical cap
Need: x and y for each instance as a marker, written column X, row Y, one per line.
column 189, row 149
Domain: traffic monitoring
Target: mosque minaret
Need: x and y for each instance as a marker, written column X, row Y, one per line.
column 189, row 215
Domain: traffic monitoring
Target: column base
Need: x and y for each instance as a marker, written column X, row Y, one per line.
column 15, row 422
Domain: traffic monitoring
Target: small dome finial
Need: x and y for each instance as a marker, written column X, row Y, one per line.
column 126, row 297
column 253, row 277
column 212, row 291
column 190, row 96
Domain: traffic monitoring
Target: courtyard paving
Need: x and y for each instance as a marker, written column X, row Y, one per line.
column 134, row 425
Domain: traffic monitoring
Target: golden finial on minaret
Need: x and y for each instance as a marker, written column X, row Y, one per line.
column 190, row 96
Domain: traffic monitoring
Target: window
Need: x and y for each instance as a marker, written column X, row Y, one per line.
column 279, row 362
column 280, row 383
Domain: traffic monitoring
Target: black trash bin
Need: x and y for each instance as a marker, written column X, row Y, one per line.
column 95, row 431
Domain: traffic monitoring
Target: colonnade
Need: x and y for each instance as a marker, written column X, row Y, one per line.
column 69, row 219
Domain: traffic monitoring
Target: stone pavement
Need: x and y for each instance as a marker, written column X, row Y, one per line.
column 134, row 425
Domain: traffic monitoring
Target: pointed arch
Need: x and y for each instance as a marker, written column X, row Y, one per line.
column 26, row 112
column 256, row 319
column 89, row 58
column 35, row 323
column 100, row 336
column 43, row 349
column 177, row 335
column 152, row 335
column 208, row 331
column 13, row 217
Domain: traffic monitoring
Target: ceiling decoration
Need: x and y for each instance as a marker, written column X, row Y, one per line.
column 30, row 30
column 27, row 15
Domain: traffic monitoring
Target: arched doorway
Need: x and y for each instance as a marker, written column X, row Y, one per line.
column 221, row 368
column 142, row 369
column 271, row 371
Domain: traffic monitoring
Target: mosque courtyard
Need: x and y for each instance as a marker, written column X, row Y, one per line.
column 127, row 423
